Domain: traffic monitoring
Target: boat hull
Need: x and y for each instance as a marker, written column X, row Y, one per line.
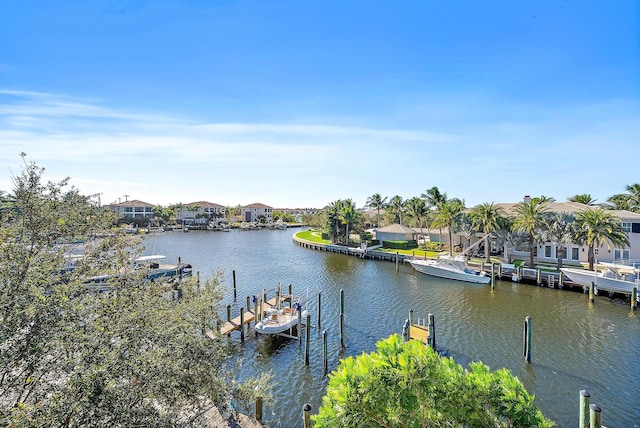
column 282, row 324
column 431, row 267
column 585, row 278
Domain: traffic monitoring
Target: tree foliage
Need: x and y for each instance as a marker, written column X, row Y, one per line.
column 595, row 227
column 409, row 385
column 130, row 357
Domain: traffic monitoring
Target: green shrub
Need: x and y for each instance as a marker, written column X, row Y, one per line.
column 400, row 245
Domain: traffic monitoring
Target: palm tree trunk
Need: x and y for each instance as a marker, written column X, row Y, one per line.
column 531, row 258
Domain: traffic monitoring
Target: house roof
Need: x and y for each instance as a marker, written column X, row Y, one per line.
column 257, row 205
column 203, row 204
column 570, row 207
column 396, row 228
column 132, row 203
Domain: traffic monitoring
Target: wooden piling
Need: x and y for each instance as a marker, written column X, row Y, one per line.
column 242, row 324
column 342, row 318
column 290, row 290
column 526, row 339
column 235, row 294
column 307, row 340
column 306, row 410
column 592, row 292
column 538, row 280
column 319, row 308
column 325, row 363
column 432, row 331
column 249, row 304
column 493, row 277
column 560, row 280
column 228, row 313
column 584, row 409
column 259, row 409
column 634, row 298
column 299, row 329
column 595, row 416
column 256, row 314
column 500, row 270
column 410, row 322
column 397, row 262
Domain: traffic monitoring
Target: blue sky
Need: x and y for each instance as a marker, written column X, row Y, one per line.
column 300, row 103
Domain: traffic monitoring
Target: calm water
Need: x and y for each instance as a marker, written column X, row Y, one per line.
column 575, row 345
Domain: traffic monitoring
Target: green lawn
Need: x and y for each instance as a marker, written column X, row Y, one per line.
column 312, row 236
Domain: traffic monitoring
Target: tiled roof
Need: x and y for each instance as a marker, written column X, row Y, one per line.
column 257, row 205
column 133, row 203
column 203, row 204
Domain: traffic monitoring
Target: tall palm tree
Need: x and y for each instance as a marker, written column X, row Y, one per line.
column 333, row 219
column 619, row 201
column 348, row 215
column 530, row 216
column 634, row 196
column 417, row 208
column 447, row 215
column 583, row 198
column 377, row 202
column 559, row 230
column 434, row 199
column 397, row 206
column 487, row 218
column 595, row 227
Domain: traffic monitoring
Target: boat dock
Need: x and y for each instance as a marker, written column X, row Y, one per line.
column 246, row 316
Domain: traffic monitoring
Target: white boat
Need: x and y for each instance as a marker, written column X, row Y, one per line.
column 279, row 320
column 613, row 278
column 450, row 268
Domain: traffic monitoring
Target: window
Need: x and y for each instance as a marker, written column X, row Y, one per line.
column 547, row 251
column 575, row 254
column 626, row 226
column 619, row 255
column 563, row 254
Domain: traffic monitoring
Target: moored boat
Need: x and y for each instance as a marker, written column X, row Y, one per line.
column 613, row 278
column 279, row 320
column 455, row 268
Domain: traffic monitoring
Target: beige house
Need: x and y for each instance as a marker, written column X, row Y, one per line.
column 257, row 213
column 201, row 212
column 133, row 209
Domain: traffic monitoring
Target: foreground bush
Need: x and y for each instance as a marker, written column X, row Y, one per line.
column 409, row 385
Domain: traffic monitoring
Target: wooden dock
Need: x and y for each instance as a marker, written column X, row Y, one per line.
column 249, row 317
column 419, row 332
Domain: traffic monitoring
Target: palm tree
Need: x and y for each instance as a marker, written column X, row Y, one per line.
column 447, row 215
column 333, row 219
column 560, row 231
column 634, row 196
column 487, row 218
column 583, row 198
column 595, row 227
column 348, row 215
column 377, row 202
column 397, row 206
column 417, row 208
column 530, row 216
column 434, row 199
column 618, row 201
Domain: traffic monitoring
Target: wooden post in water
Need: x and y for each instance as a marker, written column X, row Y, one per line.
column 584, row 409
column 493, row 277
column 410, row 322
column 235, row 294
column 634, row 298
column 299, row 311
column 432, row 331
column 259, row 409
column 397, row 262
column 342, row 317
column 591, row 292
column 228, row 313
column 249, row 304
column 500, row 270
column 264, row 296
column 538, row 280
column 242, row 324
column 319, row 307
column 560, row 280
column 306, row 410
column 595, row 416
column 526, row 339
column 256, row 315
column 325, row 363
column 290, row 290
column 307, row 340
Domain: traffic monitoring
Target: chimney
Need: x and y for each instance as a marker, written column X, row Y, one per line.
column 527, row 198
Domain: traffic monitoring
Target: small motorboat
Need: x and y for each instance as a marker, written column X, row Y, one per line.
column 277, row 320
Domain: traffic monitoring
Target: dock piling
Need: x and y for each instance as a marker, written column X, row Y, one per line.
column 319, row 308
column 325, row 364
column 242, row 324
column 634, row 298
column 235, row 294
column 432, row 331
column 306, row 410
column 259, row 409
column 584, row 409
column 299, row 311
column 493, row 277
column 307, row 340
column 592, row 287
column 526, row 339
column 342, row 318
column 595, row 416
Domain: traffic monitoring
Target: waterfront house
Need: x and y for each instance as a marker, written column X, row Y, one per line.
column 201, row 213
column 133, row 209
column 574, row 253
column 395, row 232
column 257, row 213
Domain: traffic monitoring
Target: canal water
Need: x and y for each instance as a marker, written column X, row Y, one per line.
column 575, row 345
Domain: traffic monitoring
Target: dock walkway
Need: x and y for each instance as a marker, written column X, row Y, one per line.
column 249, row 316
